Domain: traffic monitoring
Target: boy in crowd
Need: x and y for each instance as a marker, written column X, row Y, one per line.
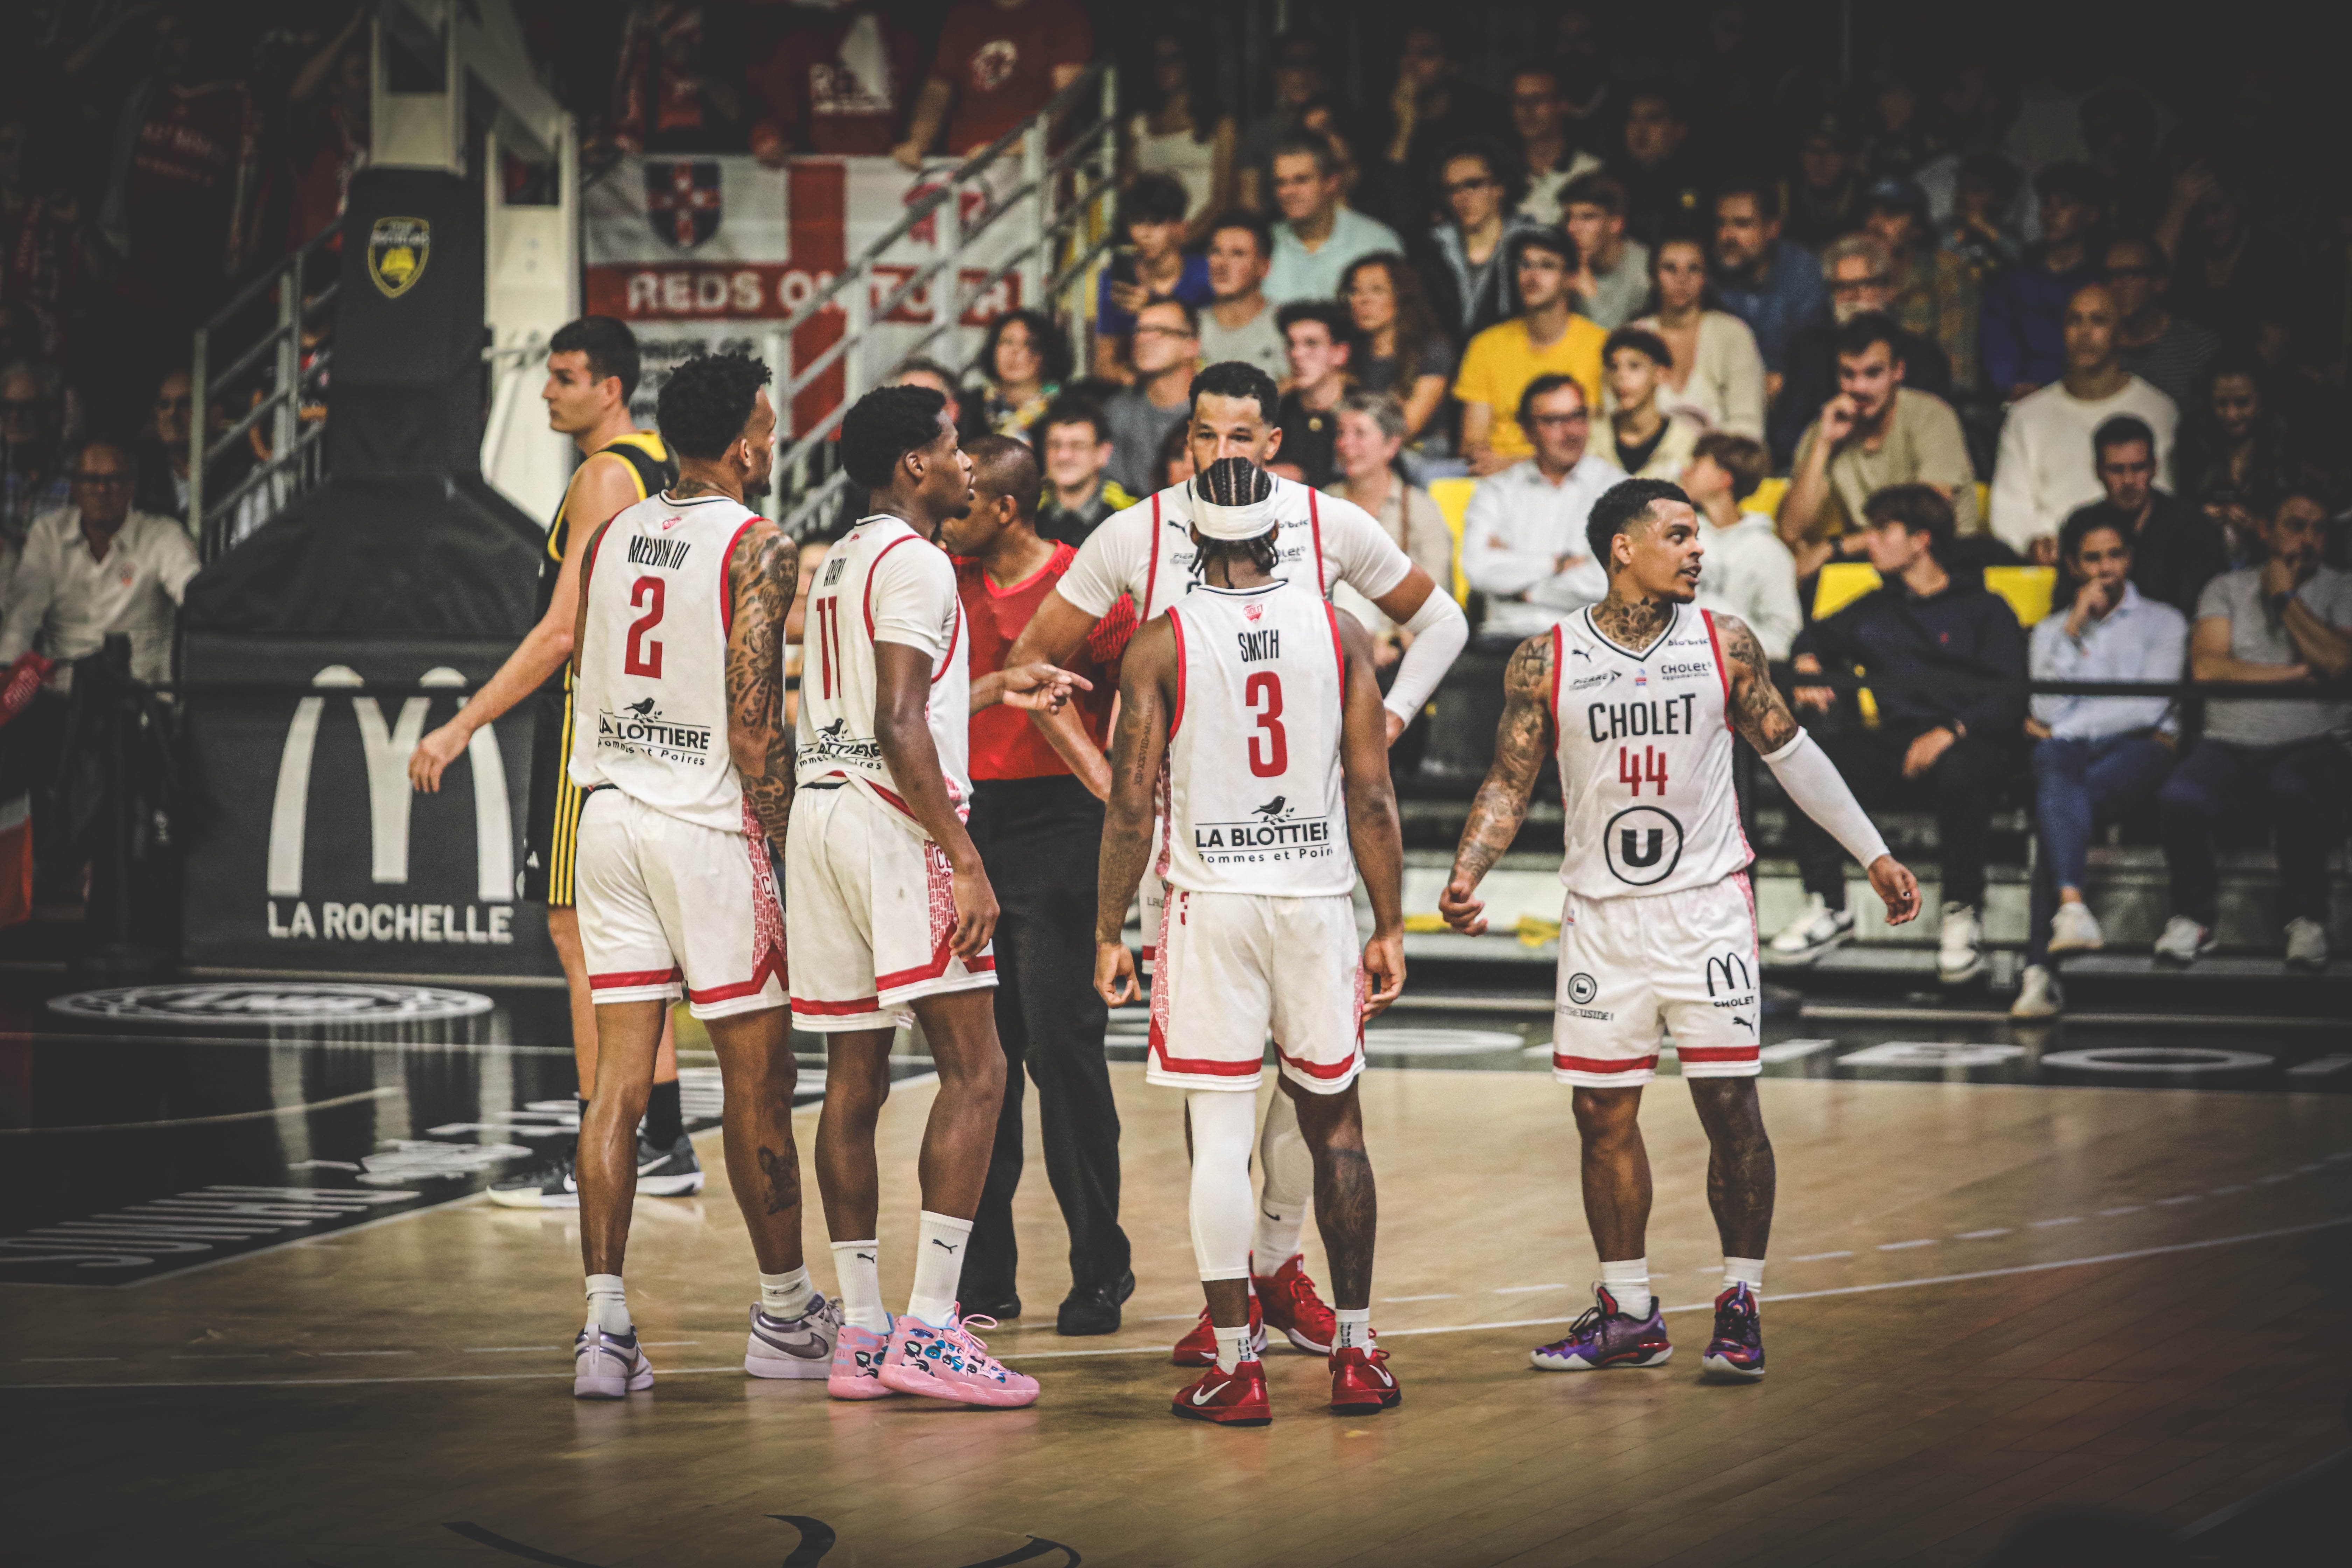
column 1747, row 571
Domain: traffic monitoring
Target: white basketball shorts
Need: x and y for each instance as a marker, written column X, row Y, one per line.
column 871, row 907
column 666, row 906
column 1228, row 965
column 1630, row 968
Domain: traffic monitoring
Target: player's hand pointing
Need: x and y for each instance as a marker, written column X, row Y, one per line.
column 1462, row 908
column 434, row 755
column 975, row 904
column 1115, row 973
column 1892, row 881
column 1041, row 686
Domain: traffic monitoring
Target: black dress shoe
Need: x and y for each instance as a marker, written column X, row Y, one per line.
column 1004, row 1306
column 1094, row 1309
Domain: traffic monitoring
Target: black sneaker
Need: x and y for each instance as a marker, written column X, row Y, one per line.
column 984, row 1304
column 1094, row 1309
column 546, row 1185
column 671, row 1173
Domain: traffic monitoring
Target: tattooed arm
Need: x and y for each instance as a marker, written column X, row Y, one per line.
column 762, row 579
column 1521, row 742
column 1807, row 775
column 1147, row 687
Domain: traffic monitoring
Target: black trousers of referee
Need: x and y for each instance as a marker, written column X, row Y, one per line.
column 1041, row 841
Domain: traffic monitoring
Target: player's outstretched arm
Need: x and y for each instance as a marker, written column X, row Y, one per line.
column 1053, row 634
column 1522, row 741
column 1810, row 779
column 1146, row 688
column 1373, row 831
column 603, row 486
column 902, row 680
column 1439, row 632
column 762, row 578
column 1039, row 687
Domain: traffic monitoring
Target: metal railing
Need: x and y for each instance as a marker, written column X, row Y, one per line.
column 1056, row 193
column 296, row 463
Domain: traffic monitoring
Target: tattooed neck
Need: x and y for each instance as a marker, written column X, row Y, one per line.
column 687, row 488
column 1632, row 622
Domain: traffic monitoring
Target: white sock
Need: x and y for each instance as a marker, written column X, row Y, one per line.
column 1286, row 1172
column 938, row 1267
column 608, row 1304
column 1231, row 1343
column 858, row 1271
column 1628, row 1282
column 1748, row 1271
column 1355, row 1328
column 786, row 1295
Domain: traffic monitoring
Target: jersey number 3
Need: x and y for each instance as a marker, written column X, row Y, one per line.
column 1264, row 695
column 644, row 653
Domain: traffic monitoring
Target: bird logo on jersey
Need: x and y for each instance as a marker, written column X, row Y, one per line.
column 398, row 248
column 641, row 710
column 1272, row 810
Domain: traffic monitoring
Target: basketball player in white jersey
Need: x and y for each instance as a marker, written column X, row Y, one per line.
column 1147, row 553
column 1262, row 702
column 1639, row 697
column 681, row 749
column 891, row 910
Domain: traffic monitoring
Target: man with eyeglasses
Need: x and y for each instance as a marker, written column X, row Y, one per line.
column 32, row 481
column 1862, row 282
column 1164, row 349
column 1523, row 543
column 95, row 567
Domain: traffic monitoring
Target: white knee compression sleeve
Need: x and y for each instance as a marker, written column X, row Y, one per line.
column 1224, row 1125
column 1285, row 1184
column 1814, row 787
column 1439, row 634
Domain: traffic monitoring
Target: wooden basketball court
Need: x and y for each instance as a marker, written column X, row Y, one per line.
column 1985, row 1301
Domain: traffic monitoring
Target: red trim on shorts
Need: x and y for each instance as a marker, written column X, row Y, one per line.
column 1596, row 1064
column 1313, row 1069
column 1150, row 573
column 1717, row 1053
column 726, row 578
column 838, row 1009
column 771, row 966
column 1314, row 522
column 1722, row 670
column 869, row 595
column 635, row 977
column 1176, row 719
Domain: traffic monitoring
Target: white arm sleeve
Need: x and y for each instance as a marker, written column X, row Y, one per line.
column 1439, row 634
column 1815, row 788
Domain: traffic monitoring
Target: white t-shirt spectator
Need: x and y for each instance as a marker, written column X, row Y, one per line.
column 2139, row 639
column 1301, row 274
column 65, row 602
column 2045, row 468
column 2237, row 597
column 1749, row 572
column 1518, row 527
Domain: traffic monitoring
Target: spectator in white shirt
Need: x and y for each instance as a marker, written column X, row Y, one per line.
column 1319, row 234
column 1747, row 571
column 1239, row 321
column 2095, row 758
column 94, row 568
column 2046, row 467
column 1523, row 541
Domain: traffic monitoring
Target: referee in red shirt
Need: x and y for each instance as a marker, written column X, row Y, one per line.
column 1038, row 821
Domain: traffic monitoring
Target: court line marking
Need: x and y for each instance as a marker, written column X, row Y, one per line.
column 1818, row 1257
column 203, row 1120
column 1905, row 1246
column 1525, row 1289
column 1707, row 1306
column 1442, row 1296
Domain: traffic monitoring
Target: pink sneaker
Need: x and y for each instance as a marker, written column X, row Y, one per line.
column 856, row 1365
column 951, row 1364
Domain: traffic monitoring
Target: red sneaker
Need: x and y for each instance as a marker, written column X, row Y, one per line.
column 1235, row 1398
column 1362, row 1384
column 1199, row 1348
column 1292, row 1306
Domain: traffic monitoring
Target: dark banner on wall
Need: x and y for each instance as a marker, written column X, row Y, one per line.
column 307, row 849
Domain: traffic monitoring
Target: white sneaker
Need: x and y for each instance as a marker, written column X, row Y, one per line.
column 608, row 1366
column 1959, row 957
column 798, row 1347
column 2075, row 929
column 2040, row 996
column 1814, row 932
column 2184, row 942
column 2306, row 943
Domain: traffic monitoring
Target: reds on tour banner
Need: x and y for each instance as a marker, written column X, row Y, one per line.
column 708, row 254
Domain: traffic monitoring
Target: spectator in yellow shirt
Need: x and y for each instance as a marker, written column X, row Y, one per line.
column 1546, row 338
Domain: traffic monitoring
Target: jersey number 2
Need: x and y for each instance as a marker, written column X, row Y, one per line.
column 1265, row 689
column 644, row 653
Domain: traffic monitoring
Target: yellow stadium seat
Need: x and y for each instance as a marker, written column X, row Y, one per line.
column 2027, row 589
column 1453, row 498
column 1768, row 498
column 1839, row 584
column 1984, row 500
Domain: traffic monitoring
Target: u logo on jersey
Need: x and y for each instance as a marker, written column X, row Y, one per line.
column 1642, row 844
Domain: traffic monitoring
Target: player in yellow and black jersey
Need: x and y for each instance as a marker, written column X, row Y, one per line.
column 592, row 370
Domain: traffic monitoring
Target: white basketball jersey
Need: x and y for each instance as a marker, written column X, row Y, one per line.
column 1646, row 759
column 651, row 696
column 882, row 582
column 1255, row 799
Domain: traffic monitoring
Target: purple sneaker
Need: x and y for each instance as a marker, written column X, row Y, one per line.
column 1737, row 1349
column 1606, row 1337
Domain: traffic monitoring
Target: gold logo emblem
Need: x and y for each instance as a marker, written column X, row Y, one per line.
column 397, row 250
